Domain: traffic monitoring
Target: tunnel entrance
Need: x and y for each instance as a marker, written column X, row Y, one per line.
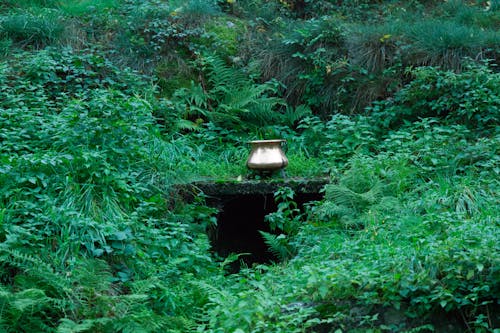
column 238, row 224
column 242, row 208
column 240, row 219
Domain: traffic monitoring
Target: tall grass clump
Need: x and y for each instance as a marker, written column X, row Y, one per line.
column 484, row 14
column 32, row 29
column 446, row 43
column 375, row 48
column 80, row 8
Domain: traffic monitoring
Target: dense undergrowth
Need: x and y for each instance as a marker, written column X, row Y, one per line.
column 104, row 105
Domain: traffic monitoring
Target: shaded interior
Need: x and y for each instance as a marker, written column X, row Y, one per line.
column 239, row 221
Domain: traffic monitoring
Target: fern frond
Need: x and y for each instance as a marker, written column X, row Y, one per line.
column 197, row 96
column 216, row 296
column 342, row 195
column 237, row 98
column 93, row 275
column 28, row 306
column 29, row 299
column 329, row 210
column 263, row 111
column 386, row 204
column 242, row 97
column 293, row 115
column 225, row 115
column 139, row 319
column 278, row 245
column 220, row 74
column 184, row 124
column 37, row 268
column 69, row 326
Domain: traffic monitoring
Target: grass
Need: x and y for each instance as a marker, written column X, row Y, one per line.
column 197, row 161
column 80, row 8
column 445, row 43
column 32, row 28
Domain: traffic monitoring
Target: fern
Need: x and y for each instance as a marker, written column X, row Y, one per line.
column 231, row 97
column 342, row 195
column 242, row 98
column 344, row 207
column 23, row 310
column 93, row 276
column 262, row 111
column 222, row 75
column 185, row 124
column 294, row 114
column 42, row 272
column 278, row 245
column 84, row 291
column 197, row 96
column 332, row 212
column 69, row 326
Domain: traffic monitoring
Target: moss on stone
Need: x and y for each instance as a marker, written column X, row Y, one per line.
column 226, row 33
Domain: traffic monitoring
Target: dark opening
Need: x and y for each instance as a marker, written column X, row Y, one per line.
column 238, row 224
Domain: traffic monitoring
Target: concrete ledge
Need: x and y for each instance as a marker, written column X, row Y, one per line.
column 266, row 186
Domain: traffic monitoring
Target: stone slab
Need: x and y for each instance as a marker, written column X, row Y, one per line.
column 246, row 187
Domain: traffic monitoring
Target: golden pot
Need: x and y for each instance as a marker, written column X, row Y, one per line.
column 267, row 155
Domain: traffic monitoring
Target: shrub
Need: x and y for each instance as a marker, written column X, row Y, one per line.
column 155, row 29
column 337, row 139
column 308, row 61
column 469, row 98
column 471, row 15
column 88, row 242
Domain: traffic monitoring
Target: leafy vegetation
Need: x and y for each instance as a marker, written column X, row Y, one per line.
column 106, row 106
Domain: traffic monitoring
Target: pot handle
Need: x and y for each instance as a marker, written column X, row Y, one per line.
column 284, row 146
